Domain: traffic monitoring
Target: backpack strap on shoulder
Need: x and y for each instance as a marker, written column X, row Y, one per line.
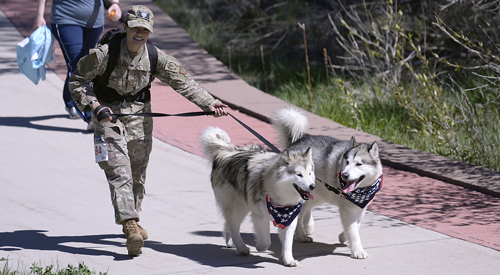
column 113, row 53
column 153, row 57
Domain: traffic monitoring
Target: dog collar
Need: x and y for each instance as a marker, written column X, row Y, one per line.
column 282, row 216
column 362, row 196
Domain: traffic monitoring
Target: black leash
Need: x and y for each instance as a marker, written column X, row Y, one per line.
column 261, row 138
column 163, row 115
column 190, row 114
column 332, row 189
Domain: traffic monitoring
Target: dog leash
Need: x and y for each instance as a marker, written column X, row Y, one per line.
column 164, row 115
column 261, row 138
column 332, row 189
column 209, row 113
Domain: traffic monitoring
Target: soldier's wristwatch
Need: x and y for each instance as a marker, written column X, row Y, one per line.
column 92, row 103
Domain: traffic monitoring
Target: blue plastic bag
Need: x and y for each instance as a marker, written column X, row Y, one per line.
column 34, row 52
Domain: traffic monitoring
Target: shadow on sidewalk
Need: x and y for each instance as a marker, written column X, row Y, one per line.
column 8, row 67
column 221, row 256
column 27, row 122
column 37, row 240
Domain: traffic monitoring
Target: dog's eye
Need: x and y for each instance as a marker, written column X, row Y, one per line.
column 359, row 164
column 299, row 175
column 347, row 162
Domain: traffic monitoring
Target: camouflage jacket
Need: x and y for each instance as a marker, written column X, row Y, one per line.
column 132, row 74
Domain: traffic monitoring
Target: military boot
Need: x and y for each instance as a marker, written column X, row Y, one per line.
column 142, row 231
column 134, row 238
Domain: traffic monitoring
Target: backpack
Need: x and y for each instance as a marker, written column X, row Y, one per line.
column 100, row 83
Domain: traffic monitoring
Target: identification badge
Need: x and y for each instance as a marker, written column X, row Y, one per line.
column 100, row 149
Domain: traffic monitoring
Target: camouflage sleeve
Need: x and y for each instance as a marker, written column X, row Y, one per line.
column 171, row 72
column 88, row 68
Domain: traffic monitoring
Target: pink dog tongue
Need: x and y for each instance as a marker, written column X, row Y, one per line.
column 309, row 195
column 349, row 187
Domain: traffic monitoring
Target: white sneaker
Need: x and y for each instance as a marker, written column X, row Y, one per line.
column 90, row 127
column 73, row 114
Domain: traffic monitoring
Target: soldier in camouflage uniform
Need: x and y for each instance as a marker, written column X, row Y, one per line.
column 128, row 139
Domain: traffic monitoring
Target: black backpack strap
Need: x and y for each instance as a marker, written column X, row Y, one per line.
column 153, row 57
column 113, row 53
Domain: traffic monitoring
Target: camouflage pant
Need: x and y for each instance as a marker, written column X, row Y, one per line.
column 129, row 143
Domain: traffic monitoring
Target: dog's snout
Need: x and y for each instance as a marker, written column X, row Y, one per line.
column 345, row 176
column 312, row 186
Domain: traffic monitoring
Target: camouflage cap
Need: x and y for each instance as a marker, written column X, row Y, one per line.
column 140, row 16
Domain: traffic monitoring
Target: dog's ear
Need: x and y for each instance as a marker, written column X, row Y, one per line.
column 352, row 142
column 373, row 149
column 308, row 153
column 285, row 157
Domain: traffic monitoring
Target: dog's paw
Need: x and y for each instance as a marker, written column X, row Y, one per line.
column 262, row 247
column 359, row 254
column 309, row 229
column 304, row 239
column 342, row 238
column 291, row 263
column 245, row 251
column 230, row 244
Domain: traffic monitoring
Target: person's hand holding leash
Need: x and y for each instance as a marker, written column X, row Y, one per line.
column 218, row 108
column 102, row 113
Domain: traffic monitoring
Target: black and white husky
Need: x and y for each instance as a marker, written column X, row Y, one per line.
column 351, row 169
column 271, row 186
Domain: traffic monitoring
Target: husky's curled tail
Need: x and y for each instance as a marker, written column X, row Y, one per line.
column 291, row 125
column 212, row 140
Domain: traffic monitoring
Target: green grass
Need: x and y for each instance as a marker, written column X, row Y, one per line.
column 37, row 269
column 385, row 119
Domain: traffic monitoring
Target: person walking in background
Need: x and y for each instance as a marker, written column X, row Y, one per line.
column 76, row 25
column 123, row 145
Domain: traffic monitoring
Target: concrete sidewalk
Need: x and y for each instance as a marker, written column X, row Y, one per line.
column 56, row 207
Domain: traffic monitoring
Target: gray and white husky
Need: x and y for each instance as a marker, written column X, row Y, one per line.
column 353, row 170
column 271, row 186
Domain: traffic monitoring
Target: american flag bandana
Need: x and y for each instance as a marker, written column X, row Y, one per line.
column 362, row 196
column 283, row 216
